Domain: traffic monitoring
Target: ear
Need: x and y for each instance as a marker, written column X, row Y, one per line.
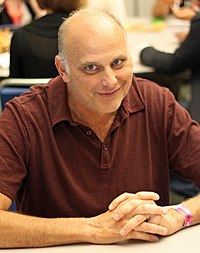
column 61, row 69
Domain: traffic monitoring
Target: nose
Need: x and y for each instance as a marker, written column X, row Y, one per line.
column 109, row 77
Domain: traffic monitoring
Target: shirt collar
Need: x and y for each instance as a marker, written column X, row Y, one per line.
column 133, row 103
column 58, row 101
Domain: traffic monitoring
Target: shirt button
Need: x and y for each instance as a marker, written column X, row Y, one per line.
column 89, row 132
column 105, row 148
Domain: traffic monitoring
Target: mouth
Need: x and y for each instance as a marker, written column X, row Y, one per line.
column 109, row 94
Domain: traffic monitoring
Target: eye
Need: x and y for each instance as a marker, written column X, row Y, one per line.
column 118, row 63
column 91, row 68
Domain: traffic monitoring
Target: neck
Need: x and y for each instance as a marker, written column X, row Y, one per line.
column 100, row 123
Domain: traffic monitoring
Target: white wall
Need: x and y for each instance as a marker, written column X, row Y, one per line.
column 139, row 7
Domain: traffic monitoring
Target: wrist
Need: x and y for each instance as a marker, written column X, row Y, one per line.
column 94, row 229
column 88, row 231
column 177, row 218
column 186, row 213
column 78, row 230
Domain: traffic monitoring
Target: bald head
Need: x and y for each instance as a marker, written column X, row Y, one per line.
column 92, row 18
column 84, row 25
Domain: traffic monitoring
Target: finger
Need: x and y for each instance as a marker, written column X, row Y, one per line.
column 135, row 207
column 119, row 199
column 152, row 228
column 139, row 195
column 151, row 209
column 127, row 207
column 142, row 227
column 147, row 195
column 143, row 236
column 132, row 224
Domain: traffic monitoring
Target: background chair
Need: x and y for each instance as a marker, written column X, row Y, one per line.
column 12, row 87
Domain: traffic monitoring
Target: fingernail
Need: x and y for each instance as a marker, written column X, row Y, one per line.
column 155, row 239
column 122, row 232
column 116, row 216
column 110, row 207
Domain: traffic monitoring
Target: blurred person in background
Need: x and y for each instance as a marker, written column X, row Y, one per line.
column 183, row 9
column 15, row 12
column 34, row 46
column 186, row 56
column 34, row 6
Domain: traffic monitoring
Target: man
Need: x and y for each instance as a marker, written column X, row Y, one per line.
column 71, row 148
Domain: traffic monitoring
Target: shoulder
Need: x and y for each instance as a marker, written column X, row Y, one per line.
column 39, row 104
column 157, row 100
column 148, row 88
column 160, row 105
column 21, row 32
column 39, row 96
column 18, row 41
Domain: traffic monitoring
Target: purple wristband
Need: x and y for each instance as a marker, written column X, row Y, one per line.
column 188, row 215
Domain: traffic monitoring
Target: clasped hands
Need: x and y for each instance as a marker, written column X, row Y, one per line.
column 135, row 216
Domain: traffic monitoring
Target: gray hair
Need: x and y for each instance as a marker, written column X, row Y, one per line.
column 62, row 50
column 63, row 32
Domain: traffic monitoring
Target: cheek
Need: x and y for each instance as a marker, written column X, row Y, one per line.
column 126, row 73
column 80, row 88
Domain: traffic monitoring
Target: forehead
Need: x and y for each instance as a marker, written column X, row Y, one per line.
column 97, row 39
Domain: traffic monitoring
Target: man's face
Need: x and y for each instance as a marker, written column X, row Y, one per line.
column 100, row 70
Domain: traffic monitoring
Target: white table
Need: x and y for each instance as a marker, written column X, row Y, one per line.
column 185, row 241
column 4, row 64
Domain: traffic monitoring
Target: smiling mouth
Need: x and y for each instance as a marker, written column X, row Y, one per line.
column 109, row 94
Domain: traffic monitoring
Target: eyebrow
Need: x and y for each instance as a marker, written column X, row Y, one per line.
column 86, row 62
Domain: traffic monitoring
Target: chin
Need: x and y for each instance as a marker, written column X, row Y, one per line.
column 110, row 109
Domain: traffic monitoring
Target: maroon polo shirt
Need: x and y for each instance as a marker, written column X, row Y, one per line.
column 56, row 168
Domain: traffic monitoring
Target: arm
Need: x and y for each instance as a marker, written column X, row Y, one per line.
column 36, row 9
column 17, row 230
column 185, row 56
column 184, row 13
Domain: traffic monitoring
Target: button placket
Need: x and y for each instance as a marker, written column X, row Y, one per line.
column 88, row 132
column 105, row 147
column 105, row 157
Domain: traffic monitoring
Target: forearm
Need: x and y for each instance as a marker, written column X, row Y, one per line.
column 36, row 9
column 18, row 230
column 167, row 63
